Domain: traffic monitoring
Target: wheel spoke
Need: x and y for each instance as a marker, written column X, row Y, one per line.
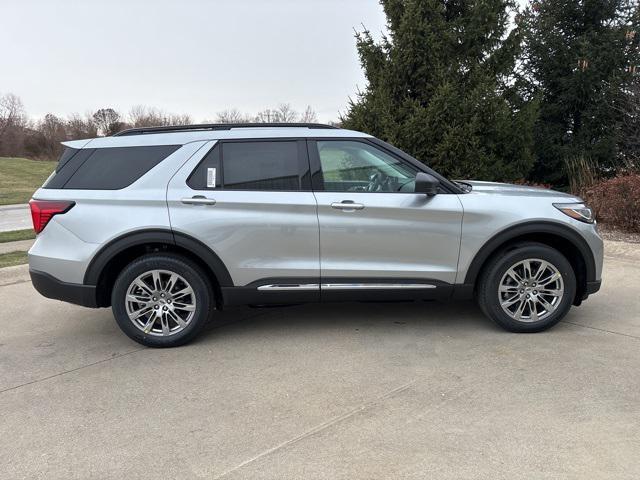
column 182, row 293
column 533, row 312
column 139, row 283
column 164, row 321
column 139, row 313
column 177, row 319
column 550, row 279
column 138, row 298
column 149, row 325
column 184, row 306
column 541, row 269
column 157, row 284
column 171, row 282
column 547, row 306
column 526, row 265
column 509, row 288
column 551, row 292
column 518, row 313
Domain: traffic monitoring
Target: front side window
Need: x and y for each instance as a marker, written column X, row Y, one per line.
column 351, row 166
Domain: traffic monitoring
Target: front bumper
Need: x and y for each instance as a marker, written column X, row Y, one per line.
column 50, row 287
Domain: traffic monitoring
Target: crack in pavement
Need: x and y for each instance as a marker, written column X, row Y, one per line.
column 601, row 330
column 72, row 370
column 318, row 428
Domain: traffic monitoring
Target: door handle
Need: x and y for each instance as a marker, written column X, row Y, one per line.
column 198, row 200
column 347, row 205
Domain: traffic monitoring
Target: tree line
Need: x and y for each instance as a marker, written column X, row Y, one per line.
column 21, row 136
column 546, row 93
column 484, row 89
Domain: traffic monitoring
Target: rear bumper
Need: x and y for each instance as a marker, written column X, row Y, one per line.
column 50, row 287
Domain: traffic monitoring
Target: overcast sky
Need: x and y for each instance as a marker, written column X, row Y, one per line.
column 192, row 56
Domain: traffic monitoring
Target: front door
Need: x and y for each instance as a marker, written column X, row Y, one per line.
column 376, row 233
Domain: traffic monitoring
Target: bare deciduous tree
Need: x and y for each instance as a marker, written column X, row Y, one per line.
column 285, row 114
column 81, row 127
column 309, row 115
column 232, row 115
column 143, row 116
column 12, row 124
column 107, row 120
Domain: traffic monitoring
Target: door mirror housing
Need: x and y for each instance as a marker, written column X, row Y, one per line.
column 427, row 184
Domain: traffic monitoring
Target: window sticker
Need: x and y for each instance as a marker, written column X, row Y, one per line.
column 211, row 177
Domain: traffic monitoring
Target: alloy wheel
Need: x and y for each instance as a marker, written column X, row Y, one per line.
column 160, row 303
column 531, row 290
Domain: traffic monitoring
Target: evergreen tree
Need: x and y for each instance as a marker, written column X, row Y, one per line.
column 581, row 57
column 441, row 87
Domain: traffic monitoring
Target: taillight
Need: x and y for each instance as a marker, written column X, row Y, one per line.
column 43, row 210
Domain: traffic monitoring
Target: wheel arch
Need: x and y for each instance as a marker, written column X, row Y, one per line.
column 555, row 235
column 115, row 255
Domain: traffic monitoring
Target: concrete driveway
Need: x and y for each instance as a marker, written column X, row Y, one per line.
column 352, row 391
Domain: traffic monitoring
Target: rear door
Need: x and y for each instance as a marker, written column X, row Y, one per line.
column 250, row 202
column 376, row 233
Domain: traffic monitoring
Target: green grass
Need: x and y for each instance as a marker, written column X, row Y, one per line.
column 17, row 235
column 20, row 177
column 12, row 258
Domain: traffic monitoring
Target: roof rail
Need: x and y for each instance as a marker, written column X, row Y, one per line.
column 216, row 126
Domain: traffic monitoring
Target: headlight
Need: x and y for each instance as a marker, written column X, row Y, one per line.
column 579, row 211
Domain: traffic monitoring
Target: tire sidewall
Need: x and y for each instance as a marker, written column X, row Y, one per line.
column 183, row 267
column 490, row 302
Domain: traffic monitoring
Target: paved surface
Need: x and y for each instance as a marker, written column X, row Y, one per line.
column 352, row 391
column 19, row 246
column 15, row 217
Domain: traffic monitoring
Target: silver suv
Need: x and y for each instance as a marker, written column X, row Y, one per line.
column 167, row 225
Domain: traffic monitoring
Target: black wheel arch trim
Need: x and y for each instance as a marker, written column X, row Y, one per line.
column 150, row 236
column 538, row 227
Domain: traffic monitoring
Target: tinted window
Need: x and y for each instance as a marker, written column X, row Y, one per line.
column 207, row 173
column 349, row 166
column 115, row 168
column 67, row 155
column 260, row 166
column 68, row 164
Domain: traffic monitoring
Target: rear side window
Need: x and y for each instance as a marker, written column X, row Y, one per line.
column 108, row 168
column 253, row 165
column 260, row 166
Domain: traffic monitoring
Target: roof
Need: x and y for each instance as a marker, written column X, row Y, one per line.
column 194, row 133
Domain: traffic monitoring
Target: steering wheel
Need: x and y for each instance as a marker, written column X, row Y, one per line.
column 376, row 182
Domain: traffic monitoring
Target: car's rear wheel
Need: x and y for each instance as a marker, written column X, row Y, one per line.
column 162, row 300
column 527, row 289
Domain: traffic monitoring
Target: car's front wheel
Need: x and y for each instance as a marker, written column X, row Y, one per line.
column 162, row 300
column 527, row 289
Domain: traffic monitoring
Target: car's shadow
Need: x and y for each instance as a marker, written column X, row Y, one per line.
column 421, row 317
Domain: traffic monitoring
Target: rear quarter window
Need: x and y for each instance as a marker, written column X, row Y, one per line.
column 108, row 168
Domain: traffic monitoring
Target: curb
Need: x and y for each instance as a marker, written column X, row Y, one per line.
column 15, row 274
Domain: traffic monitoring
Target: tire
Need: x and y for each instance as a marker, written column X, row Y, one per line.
column 530, row 309
column 169, row 315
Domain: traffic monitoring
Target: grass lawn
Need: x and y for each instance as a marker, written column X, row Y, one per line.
column 20, row 177
column 12, row 258
column 17, row 235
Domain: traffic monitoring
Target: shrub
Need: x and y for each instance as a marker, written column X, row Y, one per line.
column 616, row 202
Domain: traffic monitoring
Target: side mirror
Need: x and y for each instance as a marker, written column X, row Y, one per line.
column 427, row 184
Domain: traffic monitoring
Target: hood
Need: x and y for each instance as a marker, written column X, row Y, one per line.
column 508, row 189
